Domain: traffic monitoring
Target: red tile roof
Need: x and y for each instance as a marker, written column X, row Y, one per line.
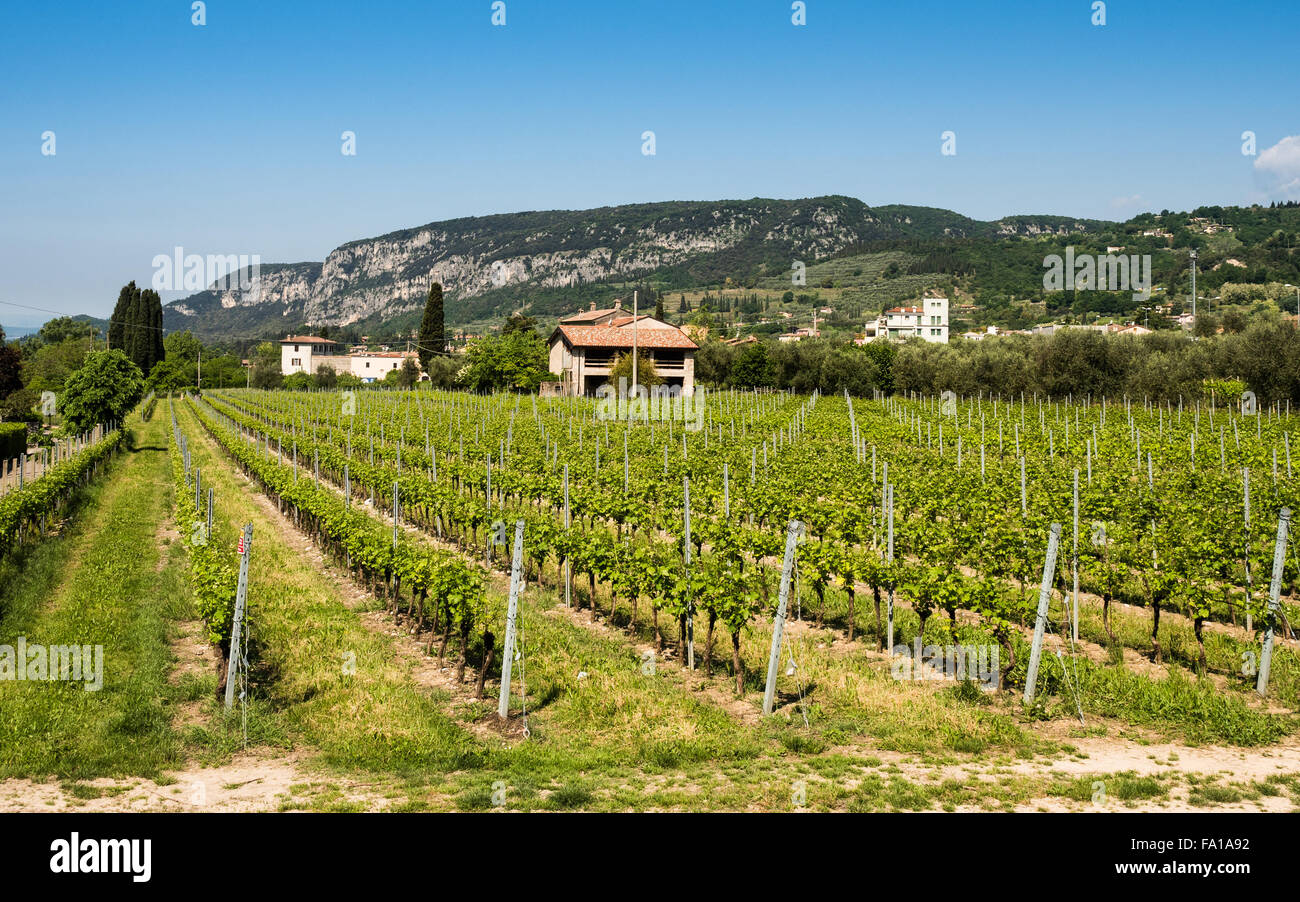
column 588, row 315
column 306, row 340
column 627, row 320
column 614, row 337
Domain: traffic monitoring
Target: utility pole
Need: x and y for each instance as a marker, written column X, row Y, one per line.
column 634, row 344
column 1193, row 286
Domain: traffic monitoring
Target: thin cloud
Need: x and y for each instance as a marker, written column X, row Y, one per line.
column 1278, row 167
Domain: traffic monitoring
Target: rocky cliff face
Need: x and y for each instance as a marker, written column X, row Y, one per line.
column 489, row 263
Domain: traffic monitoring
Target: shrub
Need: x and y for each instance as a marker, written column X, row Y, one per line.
column 13, row 439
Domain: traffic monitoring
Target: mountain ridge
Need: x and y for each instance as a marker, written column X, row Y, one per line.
column 544, row 259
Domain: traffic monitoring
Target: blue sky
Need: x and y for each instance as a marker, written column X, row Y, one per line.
column 226, row 138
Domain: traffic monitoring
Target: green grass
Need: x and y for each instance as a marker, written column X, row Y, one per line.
column 1182, row 706
column 374, row 719
column 104, row 581
column 617, row 739
column 1125, row 787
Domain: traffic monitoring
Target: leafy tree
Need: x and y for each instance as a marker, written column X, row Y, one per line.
column 442, row 371
column 104, row 389
column 266, row 366
column 432, row 338
column 703, row 319
column 753, row 368
column 326, row 377
column 518, row 322
column 11, row 368
column 1206, row 324
column 1234, row 321
column 62, row 328
column 20, row 407
column 645, row 370
column 848, row 368
column 182, row 347
column 882, row 354
column 409, row 373
column 223, row 371
column 172, row 376
column 515, row 360
column 50, row 366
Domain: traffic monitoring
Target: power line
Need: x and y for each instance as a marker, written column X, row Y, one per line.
column 246, row 337
column 62, row 313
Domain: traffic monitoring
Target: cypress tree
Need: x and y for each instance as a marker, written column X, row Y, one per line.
column 151, row 336
column 432, row 335
column 117, row 324
column 136, row 337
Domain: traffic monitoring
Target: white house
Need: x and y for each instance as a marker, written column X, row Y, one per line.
column 306, row 353
column 928, row 322
column 371, row 366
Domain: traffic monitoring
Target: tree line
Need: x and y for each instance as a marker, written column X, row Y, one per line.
column 1165, row 366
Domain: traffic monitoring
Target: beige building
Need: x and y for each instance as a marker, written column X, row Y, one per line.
column 585, row 346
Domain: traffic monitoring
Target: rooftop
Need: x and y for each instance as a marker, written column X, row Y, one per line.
column 616, row 337
column 306, row 340
column 590, row 315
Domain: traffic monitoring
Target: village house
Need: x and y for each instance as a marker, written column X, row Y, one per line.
column 585, row 346
column 799, row 335
column 307, row 353
column 928, row 322
column 304, row 353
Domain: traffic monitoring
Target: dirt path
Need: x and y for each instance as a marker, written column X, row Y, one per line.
column 250, row 782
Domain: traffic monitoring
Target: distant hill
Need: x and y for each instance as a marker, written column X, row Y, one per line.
column 549, row 262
